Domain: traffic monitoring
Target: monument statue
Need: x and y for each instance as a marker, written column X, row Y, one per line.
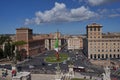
column 106, row 75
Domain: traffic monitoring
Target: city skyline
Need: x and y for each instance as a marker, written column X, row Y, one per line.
column 69, row 16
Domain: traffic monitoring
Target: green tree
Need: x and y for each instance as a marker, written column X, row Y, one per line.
column 19, row 43
column 7, row 50
column 4, row 38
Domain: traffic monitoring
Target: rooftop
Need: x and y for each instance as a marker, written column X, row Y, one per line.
column 94, row 25
column 23, row 28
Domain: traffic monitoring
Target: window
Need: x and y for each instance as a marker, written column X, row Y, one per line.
column 94, row 56
column 118, row 50
column 102, row 55
column 110, row 56
column 106, row 50
column 106, row 55
column 90, row 29
column 98, row 29
column 114, row 56
column 98, row 55
column 114, row 50
column 91, row 56
column 94, row 29
column 110, row 50
column 102, row 50
column 98, row 50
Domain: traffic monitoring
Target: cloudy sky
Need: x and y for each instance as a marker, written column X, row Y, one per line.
column 69, row 16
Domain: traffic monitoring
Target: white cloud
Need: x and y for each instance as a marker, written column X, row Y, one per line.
column 59, row 13
column 99, row 2
column 82, row 13
column 27, row 21
column 109, row 13
column 114, row 15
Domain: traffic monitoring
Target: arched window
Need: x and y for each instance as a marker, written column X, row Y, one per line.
column 94, row 56
column 114, row 56
column 118, row 56
column 118, row 50
column 110, row 56
column 102, row 56
column 114, row 50
column 98, row 55
column 91, row 56
column 106, row 55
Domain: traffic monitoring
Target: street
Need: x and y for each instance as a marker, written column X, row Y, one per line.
column 38, row 65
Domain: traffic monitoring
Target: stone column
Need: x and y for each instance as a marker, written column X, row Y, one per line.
column 93, row 56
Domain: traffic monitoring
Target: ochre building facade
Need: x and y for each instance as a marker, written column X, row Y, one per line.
column 101, row 46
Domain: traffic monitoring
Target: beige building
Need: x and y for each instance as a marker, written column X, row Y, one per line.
column 50, row 41
column 99, row 45
column 74, row 42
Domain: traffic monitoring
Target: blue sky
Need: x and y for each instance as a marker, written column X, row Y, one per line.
column 69, row 16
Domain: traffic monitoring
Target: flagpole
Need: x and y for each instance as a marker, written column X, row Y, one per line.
column 57, row 47
column 58, row 77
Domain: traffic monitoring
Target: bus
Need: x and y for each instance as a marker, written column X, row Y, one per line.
column 78, row 69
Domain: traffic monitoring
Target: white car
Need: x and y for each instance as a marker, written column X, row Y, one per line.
column 31, row 66
column 49, row 64
column 64, row 62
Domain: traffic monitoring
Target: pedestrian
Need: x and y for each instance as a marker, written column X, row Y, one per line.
column 84, row 77
column 13, row 73
column 3, row 73
column 90, row 77
column 6, row 72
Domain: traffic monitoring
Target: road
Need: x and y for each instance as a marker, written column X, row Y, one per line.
column 38, row 65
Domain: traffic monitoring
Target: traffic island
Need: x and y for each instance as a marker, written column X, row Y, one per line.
column 52, row 59
column 78, row 79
